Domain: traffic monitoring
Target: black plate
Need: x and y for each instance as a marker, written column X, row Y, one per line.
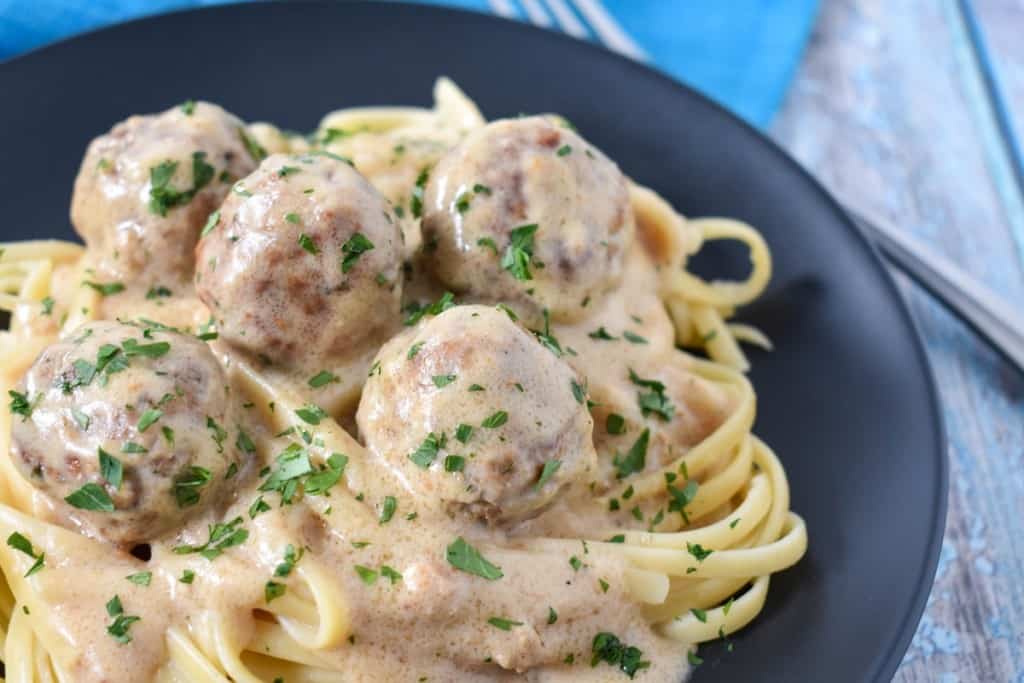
column 846, row 399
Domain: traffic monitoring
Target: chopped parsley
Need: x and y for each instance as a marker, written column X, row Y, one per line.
column 21, row 405
column 488, row 243
column 633, row 338
column 286, row 171
column 681, row 498
column 441, row 381
column 609, row 649
column 463, row 432
column 155, row 350
column 635, row 458
column 163, row 197
column 258, row 506
column 273, row 590
column 550, row 467
column 424, row 455
column 575, row 563
column 615, row 424
column 111, row 469
column 217, row 433
column 311, row 413
column 653, row 401
column 187, row 107
column 465, row 557
column 454, row 463
column 293, row 469
column 552, row 615
column 211, row 223
column 462, row 202
column 564, row 150
column 698, row 551
column 307, row 243
column 90, row 497
column 516, row 258
column 254, row 148
column 119, row 628
column 105, row 288
column 368, row 576
column 323, row 378
column 187, row 485
column 547, row 339
column 414, row 349
column 244, row 443
column 700, row 614
column 495, row 420
column 476, row 387
column 390, row 574
column 415, row 312
column 83, row 421
column 140, row 578
column 187, row 576
column 22, row 544
column 416, row 203
column 601, row 334
column 47, row 303
column 503, row 623
column 221, row 537
column 352, row 250
column 579, row 392
column 158, row 292
column 148, row 418
column 387, row 510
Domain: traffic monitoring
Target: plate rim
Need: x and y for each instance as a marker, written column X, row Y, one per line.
column 890, row 659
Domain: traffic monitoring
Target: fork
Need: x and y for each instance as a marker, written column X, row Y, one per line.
column 980, row 308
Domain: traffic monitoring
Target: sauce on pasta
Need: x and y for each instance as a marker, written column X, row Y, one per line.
column 401, row 400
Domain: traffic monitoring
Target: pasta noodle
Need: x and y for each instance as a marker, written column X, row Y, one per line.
column 694, row 577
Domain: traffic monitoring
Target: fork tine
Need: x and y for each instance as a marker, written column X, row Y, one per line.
column 504, row 8
column 536, row 13
column 608, row 30
column 567, row 18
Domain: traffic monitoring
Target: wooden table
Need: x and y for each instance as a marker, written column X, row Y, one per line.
column 890, row 107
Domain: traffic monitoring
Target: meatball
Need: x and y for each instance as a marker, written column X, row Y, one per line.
column 304, row 265
column 477, row 417
column 525, row 211
column 146, row 188
column 139, row 417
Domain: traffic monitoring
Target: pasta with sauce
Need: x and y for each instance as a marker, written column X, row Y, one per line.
column 403, row 399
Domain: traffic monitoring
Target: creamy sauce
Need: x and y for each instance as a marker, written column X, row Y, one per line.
column 428, row 618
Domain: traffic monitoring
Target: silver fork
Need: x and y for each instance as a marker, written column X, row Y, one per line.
column 990, row 316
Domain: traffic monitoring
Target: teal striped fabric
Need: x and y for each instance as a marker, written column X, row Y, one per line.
column 743, row 53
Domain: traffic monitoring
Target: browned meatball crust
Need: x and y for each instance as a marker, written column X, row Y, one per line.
column 304, row 264
column 156, row 402
column 527, row 212
column 470, row 384
column 146, row 188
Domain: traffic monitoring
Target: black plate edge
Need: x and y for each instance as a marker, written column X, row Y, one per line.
column 897, row 650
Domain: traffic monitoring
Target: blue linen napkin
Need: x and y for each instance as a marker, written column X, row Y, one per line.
column 742, row 53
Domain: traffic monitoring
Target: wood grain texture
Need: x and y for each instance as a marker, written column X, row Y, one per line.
column 889, row 107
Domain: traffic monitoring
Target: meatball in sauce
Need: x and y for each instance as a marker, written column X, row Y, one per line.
column 127, row 430
column 146, row 189
column 474, row 415
column 303, row 265
column 527, row 212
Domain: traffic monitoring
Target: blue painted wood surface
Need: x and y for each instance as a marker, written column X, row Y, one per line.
column 890, row 106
